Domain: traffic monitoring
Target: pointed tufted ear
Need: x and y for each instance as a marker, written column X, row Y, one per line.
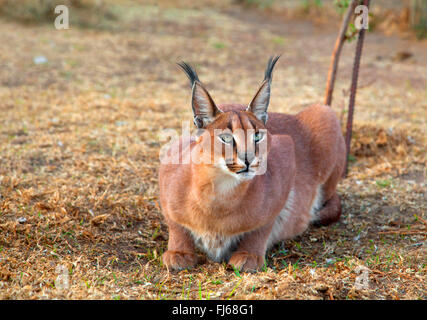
column 261, row 100
column 204, row 108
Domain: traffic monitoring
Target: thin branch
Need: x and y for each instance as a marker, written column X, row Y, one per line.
column 337, row 52
column 353, row 90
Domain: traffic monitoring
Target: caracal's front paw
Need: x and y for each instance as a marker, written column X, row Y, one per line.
column 245, row 261
column 179, row 260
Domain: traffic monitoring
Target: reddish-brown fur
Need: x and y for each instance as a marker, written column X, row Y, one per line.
column 237, row 219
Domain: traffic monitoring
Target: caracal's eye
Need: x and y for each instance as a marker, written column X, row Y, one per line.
column 226, row 138
column 258, row 136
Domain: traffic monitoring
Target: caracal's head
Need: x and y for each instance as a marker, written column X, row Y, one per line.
column 232, row 139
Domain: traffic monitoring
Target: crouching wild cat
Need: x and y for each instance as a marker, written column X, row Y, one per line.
column 255, row 178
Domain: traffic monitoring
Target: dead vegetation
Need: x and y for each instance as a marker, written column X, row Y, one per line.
column 79, row 144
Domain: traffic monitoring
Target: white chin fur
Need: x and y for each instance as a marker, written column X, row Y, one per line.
column 227, row 182
column 239, row 176
column 245, row 175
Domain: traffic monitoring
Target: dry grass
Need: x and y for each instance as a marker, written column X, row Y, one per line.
column 79, row 155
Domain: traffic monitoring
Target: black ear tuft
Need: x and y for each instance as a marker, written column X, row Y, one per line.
column 270, row 66
column 190, row 72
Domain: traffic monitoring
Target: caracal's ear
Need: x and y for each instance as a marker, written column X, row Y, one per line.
column 204, row 108
column 260, row 102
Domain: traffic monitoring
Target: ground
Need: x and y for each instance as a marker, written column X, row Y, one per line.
column 81, row 113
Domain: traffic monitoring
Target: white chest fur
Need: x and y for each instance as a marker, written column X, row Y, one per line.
column 276, row 232
column 218, row 247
